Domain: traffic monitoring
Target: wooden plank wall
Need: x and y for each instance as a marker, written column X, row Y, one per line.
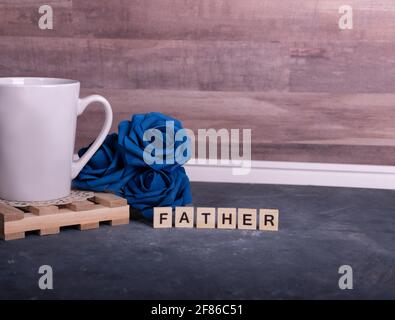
column 308, row 91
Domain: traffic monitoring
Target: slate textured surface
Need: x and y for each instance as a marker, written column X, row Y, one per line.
column 320, row 230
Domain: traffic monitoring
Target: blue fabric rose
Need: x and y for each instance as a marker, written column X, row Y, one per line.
column 119, row 165
column 105, row 171
column 148, row 188
column 133, row 145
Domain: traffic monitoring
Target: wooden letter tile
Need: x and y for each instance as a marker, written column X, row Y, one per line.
column 246, row 219
column 205, row 218
column 163, row 217
column 184, row 217
column 226, row 218
column 268, row 219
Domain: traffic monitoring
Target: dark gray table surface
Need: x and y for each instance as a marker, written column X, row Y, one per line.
column 320, row 230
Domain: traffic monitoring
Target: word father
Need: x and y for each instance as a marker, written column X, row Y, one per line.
column 222, row 218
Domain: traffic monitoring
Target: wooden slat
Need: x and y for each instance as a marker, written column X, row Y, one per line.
column 80, row 205
column 364, row 67
column 119, row 222
column 20, row 17
column 326, row 153
column 8, row 213
column 205, row 65
column 12, row 236
column 258, row 20
column 49, row 231
column 43, row 210
column 109, row 200
column 315, row 127
column 89, row 226
column 149, row 64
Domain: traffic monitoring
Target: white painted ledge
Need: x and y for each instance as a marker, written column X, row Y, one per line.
column 298, row 173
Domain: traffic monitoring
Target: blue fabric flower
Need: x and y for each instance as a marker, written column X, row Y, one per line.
column 105, row 171
column 119, row 165
column 131, row 140
column 148, row 188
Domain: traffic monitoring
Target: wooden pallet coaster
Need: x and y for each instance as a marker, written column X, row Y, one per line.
column 103, row 207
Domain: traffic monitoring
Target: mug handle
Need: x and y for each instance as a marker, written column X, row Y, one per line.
column 77, row 165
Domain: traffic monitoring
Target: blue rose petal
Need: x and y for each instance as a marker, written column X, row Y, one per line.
column 148, row 188
column 132, row 144
column 105, row 171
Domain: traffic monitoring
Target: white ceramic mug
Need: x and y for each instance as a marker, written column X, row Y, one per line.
column 38, row 119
